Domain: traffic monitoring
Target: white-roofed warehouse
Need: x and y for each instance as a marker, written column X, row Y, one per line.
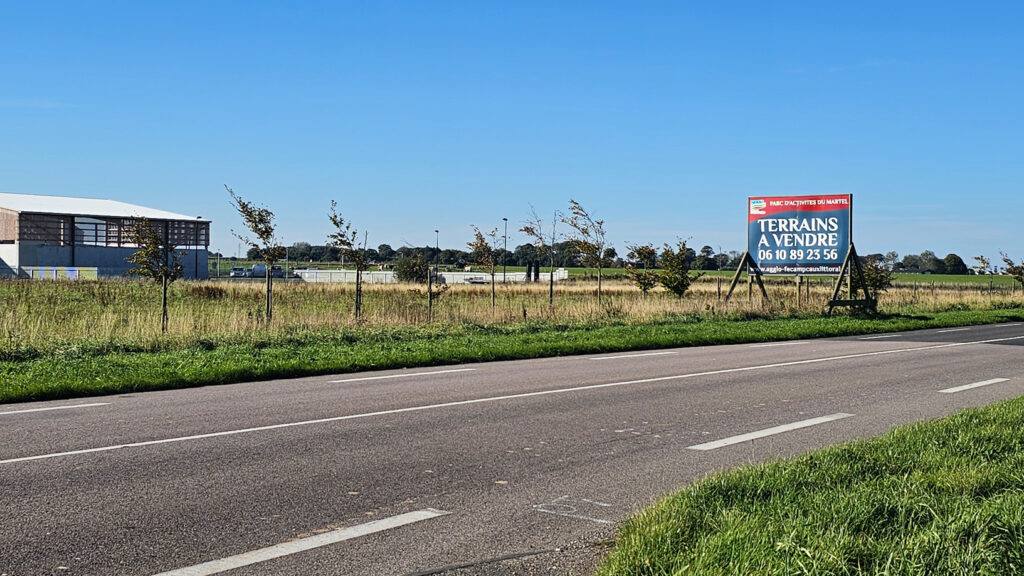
column 87, row 233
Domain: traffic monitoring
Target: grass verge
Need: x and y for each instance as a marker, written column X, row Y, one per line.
column 942, row 497
column 85, row 369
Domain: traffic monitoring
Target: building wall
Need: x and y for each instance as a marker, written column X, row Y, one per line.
column 8, row 260
column 8, row 225
column 110, row 261
column 188, row 262
column 35, row 254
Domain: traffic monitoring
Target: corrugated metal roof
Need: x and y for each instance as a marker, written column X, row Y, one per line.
column 84, row 207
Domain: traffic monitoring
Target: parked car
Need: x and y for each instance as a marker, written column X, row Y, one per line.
column 277, row 271
column 477, row 280
column 259, row 270
column 239, row 272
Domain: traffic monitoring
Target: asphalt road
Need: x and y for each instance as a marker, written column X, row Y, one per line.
column 502, row 468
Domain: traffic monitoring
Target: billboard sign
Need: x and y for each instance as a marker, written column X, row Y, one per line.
column 805, row 235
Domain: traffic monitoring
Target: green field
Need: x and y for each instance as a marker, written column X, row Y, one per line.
column 949, row 279
column 944, row 497
column 63, row 339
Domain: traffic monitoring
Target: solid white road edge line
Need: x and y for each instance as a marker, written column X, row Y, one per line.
column 975, row 385
column 514, row 397
column 953, row 330
column 304, row 544
column 772, row 344
column 882, row 336
column 55, row 408
column 389, row 376
column 633, row 355
column 768, row 432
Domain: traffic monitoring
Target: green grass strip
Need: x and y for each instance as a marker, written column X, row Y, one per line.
column 942, row 497
column 86, row 369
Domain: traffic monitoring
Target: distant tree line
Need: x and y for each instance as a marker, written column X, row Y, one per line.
column 564, row 255
column 926, row 262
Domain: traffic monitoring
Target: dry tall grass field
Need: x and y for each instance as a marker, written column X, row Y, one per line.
column 42, row 315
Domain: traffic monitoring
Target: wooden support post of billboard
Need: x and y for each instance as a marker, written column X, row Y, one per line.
column 752, row 270
column 857, row 280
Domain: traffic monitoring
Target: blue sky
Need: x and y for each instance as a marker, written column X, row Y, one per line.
column 659, row 117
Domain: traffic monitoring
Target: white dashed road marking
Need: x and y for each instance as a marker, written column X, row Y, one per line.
column 773, row 344
column 633, row 355
column 390, row 376
column 304, row 544
column 769, row 432
column 975, row 385
column 55, row 408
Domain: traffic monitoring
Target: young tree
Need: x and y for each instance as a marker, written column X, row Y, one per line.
column 260, row 222
column 675, row 274
column 1014, row 269
column 155, row 258
column 878, row 274
column 483, row 253
column 640, row 255
column 346, row 239
column 534, row 228
column 588, row 239
column 983, row 266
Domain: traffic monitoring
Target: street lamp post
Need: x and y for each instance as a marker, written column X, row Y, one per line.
column 437, row 255
column 504, row 255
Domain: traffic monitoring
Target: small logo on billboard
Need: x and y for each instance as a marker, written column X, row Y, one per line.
column 757, row 206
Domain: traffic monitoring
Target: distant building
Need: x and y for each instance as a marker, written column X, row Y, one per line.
column 88, row 235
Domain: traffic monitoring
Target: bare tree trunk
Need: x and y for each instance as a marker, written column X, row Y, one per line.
column 163, row 311
column 599, row 283
column 644, row 292
column 359, row 291
column 270, row 285
column 493, row 295
column 551, row 285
